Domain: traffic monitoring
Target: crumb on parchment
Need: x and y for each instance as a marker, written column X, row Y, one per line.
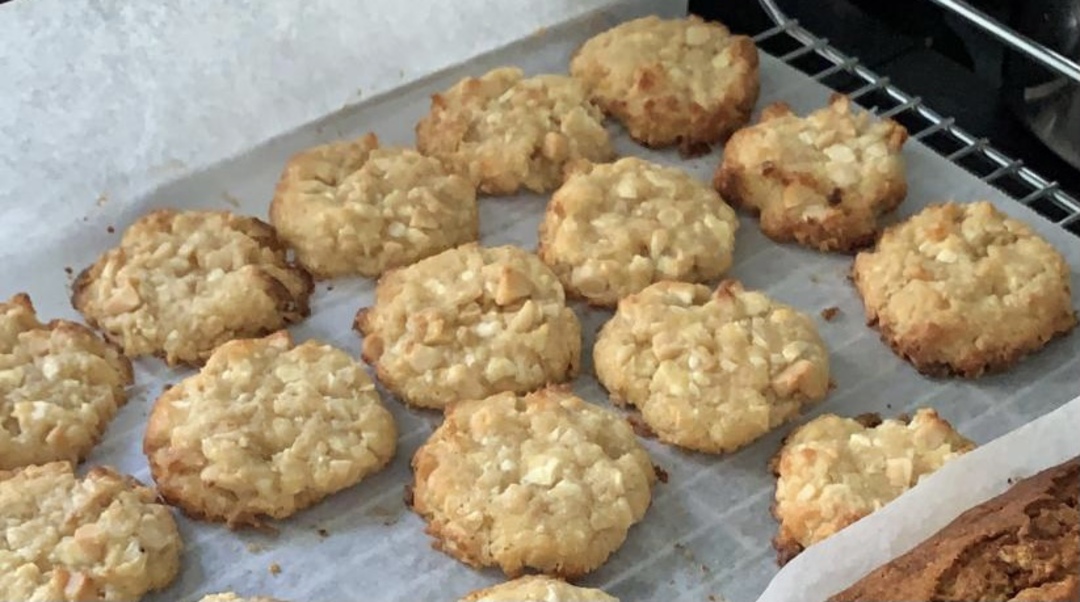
column 275, row 568
column 830, row 313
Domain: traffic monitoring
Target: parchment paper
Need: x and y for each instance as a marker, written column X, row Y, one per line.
column 708, row 531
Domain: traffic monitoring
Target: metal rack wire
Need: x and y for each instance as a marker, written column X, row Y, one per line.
column 798, row 47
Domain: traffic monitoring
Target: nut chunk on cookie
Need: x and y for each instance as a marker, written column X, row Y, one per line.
column 679, row 81
column 267, row 429
column 711, row 371
column 832, row 471
column 543, row 481
column 822, row 180
column 354, row 208
column 469, row 323
column 60, row 385
column 964, row 289
column 613, row 229
column 102, row 537
column 183, row 282
column 505, row 131
column 537, row 588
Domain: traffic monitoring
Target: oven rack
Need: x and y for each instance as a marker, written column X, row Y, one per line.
column 796, row 46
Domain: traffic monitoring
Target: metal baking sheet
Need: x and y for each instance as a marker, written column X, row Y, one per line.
column 708, row 531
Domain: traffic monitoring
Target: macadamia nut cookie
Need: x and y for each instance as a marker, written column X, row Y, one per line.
column 543, row 481
column 266, row 429
column 823, row 180
column 505, row 131
column 102, row 537
column 537, row 588
column 613, row 229
column 964, row 289
column 60, row 386
column 711, row 371
column 354, row 208
column 468, row 323
column 183, row 282
column 677, row 81
column 832, row 471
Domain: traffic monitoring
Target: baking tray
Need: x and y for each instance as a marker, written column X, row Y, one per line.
column 707, row 535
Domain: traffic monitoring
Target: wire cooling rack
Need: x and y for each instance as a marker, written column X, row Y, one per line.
column 795, row 45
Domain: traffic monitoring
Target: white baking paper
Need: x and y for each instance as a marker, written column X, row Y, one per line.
column 708, row 531
column 832, row 565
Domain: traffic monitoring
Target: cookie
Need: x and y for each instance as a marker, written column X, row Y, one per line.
column 231, row 597
column 832, row 471
column 266, row 429
column 613, row 229
column 537, row 588
column 964, row 289
column 468, row 323
column 711, row 371
column 353, row 208
column 102, row 537
column 60, row 386
column 543, row 481
column 183, row 282
column 676, row 81
column 823, row 181
column 506, row 132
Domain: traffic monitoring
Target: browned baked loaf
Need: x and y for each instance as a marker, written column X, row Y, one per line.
column 1021, row 545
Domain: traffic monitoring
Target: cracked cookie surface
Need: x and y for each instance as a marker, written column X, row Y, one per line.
column 711, row 370
column 505, row 131
column 823, row 180
column 352, row 207
column 832, row 471
column 542, row 481
column 101, row 537
column 266, row 429
column 60, row 386
column 182, row 282
column 961, row 288
column 671, row 81
column 613, row 229
column 468, row 323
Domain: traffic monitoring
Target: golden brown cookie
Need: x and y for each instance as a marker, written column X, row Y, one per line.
column 832, row 471
column 678, row 81
column 102, row 537
column 543, row 481
column 353, row 208
column 537, row 588
column 60, row 386
column 711, row 371
column 964, row 289
column 183, row 282
column 266, row 429
column 615, row 228
column 468, row 323
column 505, row 131
column 823, row 180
